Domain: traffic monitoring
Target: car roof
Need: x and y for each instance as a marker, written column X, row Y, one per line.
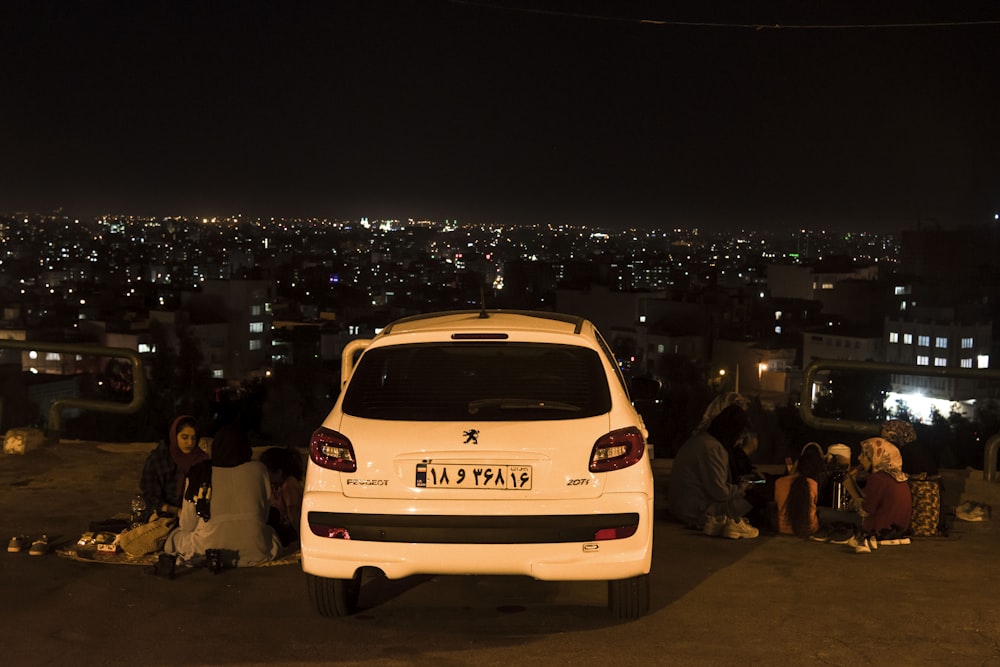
column 481, row 321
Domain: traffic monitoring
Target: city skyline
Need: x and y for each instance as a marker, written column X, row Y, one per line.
column 702, row 115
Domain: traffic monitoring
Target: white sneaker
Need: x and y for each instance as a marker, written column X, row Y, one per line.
column 714, row 525
column 17, row 543
column 735, row 529
column 861, row 544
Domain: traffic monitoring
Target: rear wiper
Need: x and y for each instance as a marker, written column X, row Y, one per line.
column 520, row 404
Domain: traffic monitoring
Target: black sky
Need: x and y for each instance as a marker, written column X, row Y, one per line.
column 575, row 112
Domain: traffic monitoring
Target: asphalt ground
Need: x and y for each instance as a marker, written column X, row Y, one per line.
column 714, row 601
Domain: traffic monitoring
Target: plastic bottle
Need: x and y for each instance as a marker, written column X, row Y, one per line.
column 138, row 510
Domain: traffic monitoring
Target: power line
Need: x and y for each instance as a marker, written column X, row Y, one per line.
column 718, row 24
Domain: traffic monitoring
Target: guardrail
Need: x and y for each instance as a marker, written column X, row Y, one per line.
column 54, row 426
column 870, row 428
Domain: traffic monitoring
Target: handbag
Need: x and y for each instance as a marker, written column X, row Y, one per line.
column 147, row 538
column 925, row 521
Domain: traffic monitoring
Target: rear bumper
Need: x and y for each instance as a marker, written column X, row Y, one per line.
column 470, row 529
column 558, row 546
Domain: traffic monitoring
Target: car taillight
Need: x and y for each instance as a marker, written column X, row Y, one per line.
column 332, row 532
column 619, row 533
column 616, row 450
column 331, row 450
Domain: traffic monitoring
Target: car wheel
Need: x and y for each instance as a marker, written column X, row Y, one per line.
column 334, row 597
column 629, row 598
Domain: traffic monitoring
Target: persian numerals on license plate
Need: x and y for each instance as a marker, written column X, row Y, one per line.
column 473, row 476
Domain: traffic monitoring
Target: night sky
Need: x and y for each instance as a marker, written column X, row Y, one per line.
column 616, row 112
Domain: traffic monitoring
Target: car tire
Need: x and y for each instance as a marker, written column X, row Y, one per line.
column 334, row 597
column 629, row 598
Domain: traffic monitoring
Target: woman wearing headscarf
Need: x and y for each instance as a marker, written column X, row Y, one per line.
column 165, row 469
column 702, row 492
column 886, row 504
column 226, row 505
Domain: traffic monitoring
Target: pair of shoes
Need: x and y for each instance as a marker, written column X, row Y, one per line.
column 821, row 535
column 973, row 511
column 17, row 544
column 892, row 537
column 714, row 524
column 860, row 543
column 39, row 547
column 735, row 529
column 165, row 566
column 841, row 535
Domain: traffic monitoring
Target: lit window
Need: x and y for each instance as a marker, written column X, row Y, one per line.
column 983, row 361
column 924, row 341
column 217, row 374
column 255, row 310
column 777, row 329
column 660, row 349
column 940, row 361
column 893, row 336
column 967, row 343
column 967, row 363
column 52, row 356
column 144, row 348
column 941, row 343
column 907, row 339
column 256, row 327
column 923, row 360
column 255, row 344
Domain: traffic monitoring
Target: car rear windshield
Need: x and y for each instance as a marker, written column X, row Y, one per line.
column 487, row 381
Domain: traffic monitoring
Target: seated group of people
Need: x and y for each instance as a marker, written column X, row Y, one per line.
column 225, row 500
column 712, row 489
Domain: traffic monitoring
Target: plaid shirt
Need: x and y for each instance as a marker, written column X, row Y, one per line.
column 158, row 483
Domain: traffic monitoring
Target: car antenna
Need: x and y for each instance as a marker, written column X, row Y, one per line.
column 483, row 315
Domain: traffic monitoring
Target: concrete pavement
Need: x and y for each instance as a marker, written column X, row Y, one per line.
column 715, row 601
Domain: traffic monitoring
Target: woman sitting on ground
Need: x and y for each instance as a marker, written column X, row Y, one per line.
column 796, row 493
column 226, row 505
column 701, row 492
column 166, row 468
column 885, row 504
column 284, row 465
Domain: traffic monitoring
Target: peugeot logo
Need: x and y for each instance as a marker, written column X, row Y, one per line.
column 472, row 435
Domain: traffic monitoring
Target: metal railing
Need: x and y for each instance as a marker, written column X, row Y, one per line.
column 54, row 424
column 871, row 428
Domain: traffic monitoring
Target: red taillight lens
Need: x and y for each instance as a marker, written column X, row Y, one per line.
column 619, row 533
column 331, row 450
column 618, row 449
column 333, row 532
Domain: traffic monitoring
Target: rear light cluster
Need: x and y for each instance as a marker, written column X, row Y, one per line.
column 616, row 450
column 618, row 533
column 331, row 450
column 333, row 532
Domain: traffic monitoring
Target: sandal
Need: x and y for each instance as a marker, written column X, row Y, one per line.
column 39, row 547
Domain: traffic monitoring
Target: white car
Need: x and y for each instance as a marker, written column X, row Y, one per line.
column 480, row 442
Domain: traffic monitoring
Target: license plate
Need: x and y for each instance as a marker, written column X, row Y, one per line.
column 473, row 476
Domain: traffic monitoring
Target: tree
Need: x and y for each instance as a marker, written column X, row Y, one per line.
column 854, row 396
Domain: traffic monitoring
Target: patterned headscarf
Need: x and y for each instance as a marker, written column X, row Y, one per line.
column 715, row 408
column 885, row 457
column 899, row 432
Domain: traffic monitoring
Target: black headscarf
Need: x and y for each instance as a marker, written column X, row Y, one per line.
column 230, row 448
